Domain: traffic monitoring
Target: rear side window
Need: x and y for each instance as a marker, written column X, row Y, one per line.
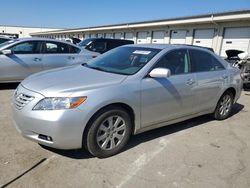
column 73, row 50
column 177, row 61
column 56, row 48
column 204, row 62
column 31, row 47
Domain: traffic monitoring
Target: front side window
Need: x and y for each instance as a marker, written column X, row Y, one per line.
column 204, row 62
column 123, row 60
column 30, row 47
column 177, row 61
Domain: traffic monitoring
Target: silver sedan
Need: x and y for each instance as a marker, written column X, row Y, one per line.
column 125, row 91
column 20, row 58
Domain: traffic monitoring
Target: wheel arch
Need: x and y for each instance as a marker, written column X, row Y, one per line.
column 122, row 105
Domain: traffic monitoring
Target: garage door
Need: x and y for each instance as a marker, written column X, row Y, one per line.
column 178, row 36
column 236, row 38
column 99, row 35
column 118, row 36
column 204, row 37
column 93, row 35
column 142, row 37
column 129, row 36
column 109, row 35
column 158, row 37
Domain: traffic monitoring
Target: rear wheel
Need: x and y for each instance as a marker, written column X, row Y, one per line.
column 108, row 133
column 224, row 106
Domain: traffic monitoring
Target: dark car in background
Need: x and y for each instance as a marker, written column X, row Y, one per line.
column 4, row 39
column 102, row 45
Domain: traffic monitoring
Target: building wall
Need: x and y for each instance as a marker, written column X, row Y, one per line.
column 172, row 31
column 22, row 31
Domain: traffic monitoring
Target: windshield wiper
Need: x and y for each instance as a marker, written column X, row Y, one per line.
column 96, row 68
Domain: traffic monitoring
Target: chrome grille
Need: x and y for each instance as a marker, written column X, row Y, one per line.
column 21, row 100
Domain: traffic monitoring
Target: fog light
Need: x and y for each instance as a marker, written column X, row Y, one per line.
column 44, row 137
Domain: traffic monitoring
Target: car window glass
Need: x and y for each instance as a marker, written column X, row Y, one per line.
column 176, row 61
column 57, row 48
column 97, row 46
column 73, row 49
column 123, row 60
column 2, row 40
column 203, row 61
column 30, row 47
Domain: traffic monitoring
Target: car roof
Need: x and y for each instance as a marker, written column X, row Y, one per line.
column 168, row 46
column 109, row 39
column 43, row 39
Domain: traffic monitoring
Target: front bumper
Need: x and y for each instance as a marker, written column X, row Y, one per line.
column 65, row 127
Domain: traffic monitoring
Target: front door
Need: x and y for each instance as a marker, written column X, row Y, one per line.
column 24, row 60
column 164, row 99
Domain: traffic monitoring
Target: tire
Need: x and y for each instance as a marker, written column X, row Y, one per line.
column 224, row 106
column 246, row 86
column 108, row 132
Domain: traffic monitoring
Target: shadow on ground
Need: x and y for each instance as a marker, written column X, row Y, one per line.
column 8, row 86
column 148, row 136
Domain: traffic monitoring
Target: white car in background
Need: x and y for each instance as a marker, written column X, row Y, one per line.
column 20, row 58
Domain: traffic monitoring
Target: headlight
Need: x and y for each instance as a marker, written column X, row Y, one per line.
column 59, row 103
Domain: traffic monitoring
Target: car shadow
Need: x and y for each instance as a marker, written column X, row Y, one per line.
column 147, row 136
column 8, row 86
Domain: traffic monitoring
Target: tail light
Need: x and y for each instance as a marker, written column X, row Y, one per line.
column 242, row 75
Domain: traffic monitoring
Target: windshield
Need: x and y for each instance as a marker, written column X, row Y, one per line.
column 123, row 60
column 7, row 42
column 85, row 42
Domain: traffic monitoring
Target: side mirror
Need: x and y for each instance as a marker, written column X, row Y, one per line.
column 244, row 56
column 160, row 73
column 6, row 52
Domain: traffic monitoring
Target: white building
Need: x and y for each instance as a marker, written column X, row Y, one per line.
column 22, row 31
column 220, row 31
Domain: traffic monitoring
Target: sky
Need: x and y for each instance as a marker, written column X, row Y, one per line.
column 87, row 13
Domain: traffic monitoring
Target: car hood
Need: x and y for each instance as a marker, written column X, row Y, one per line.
column 68, row 80
column 233, row 53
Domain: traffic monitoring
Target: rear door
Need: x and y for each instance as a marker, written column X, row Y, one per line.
column 211, row 75
column 58, row 54
column 26, row 59
column 164, row 99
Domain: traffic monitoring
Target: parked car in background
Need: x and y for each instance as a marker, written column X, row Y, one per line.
column 128, row 90
column 102, row 45
column 72, row 40
column 241, row 60
column 4, row 39
column 20, row 58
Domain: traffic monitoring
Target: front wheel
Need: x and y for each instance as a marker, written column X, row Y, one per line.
column 224, row 106
column 108, row 133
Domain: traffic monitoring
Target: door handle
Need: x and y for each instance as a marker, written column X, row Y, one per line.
column 190, row 82
column 70, row 57
column 37, row 59
column 224, row 77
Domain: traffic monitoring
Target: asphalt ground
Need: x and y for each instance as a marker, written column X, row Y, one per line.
column 200, row 152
